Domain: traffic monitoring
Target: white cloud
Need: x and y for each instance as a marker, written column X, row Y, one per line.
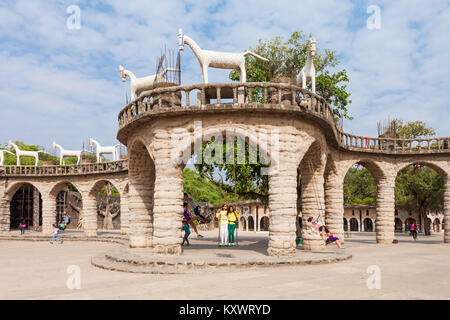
column 64, row 84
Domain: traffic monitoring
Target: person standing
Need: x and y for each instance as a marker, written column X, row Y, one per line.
column 233, row 217
column 187, row 232
column 222, row 216
column 55, row 234
column 22, row 227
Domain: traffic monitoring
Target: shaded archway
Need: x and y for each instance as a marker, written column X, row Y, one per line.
column 242, row 224
column 251, row 224
column 436, row 225
column 66, row 200
column 108, row 202
column 398, row 225
column 354, row 226
column 368, row 225
column 26, row 207
column 264, row 224
column 420, row 189
column 345, row 225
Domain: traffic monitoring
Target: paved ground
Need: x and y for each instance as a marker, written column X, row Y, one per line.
column 409, row 270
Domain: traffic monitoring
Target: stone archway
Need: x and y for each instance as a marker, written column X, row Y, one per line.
column 436, row 225
column 354, row 225
column 25, row 206
column 264, row 223
column 368, row 225
column 398, row 225
column 107, row 198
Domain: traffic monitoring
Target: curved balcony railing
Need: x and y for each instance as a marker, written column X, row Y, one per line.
column 272, row 93
column 64, row 170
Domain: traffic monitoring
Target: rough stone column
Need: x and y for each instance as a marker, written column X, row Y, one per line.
column 385, row 211
column 168, row 198
column 35, row 209
column 447, row 210
column 283, row 210
column 140, row 197
column 89, row 213
column 124, row 214
column 4, row 215
column 313, row 197
column 334, row 205
column 48, row 214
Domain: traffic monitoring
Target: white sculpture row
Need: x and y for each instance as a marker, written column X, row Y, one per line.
column 221, row 60
column 100, row 150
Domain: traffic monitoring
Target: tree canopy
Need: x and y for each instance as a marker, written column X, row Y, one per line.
column 287, row 58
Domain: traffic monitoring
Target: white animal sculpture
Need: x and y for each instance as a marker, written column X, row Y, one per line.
column 66, row 153
column 99, row 150
column 2, row 156
column 308, row 73
column 215, row 59
column 137, row 85
column 21, row 153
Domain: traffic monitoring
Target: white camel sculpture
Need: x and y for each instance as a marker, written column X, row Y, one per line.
column 66, row 153
column 22, row 153
column 308, row 73
column 2, row 156
column 99, row 150
column 137, row 85
column 215, row 59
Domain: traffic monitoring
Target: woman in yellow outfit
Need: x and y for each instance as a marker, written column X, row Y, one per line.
column 222, row 215
column 233, row 217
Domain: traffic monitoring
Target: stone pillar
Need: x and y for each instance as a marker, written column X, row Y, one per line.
column 89, row 214
column 385, row 211
column 124, row 214
column 168, row 198
column 35, row 209
column 313, row 198
column 283, row 210
column 334, row 205
column 48, row 214
column 447, row 210
column 4, row 215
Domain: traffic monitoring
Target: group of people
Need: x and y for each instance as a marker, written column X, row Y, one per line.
column 326, row 235
column 228, row 217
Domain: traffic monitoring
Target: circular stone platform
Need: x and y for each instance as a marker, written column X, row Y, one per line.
column 203, row 255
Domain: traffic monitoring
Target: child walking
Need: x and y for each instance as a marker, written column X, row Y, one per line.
column 187, row 232
column 22, row 227
column 55, row 234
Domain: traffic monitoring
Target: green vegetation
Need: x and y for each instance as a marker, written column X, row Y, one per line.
column 287, row 58
column 359, row 187
column 204, row 190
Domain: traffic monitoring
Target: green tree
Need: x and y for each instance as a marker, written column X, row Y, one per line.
column 360, row 187
column 287, row 58
column 420, row 189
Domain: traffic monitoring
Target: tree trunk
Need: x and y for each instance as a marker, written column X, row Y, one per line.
column 426, row 224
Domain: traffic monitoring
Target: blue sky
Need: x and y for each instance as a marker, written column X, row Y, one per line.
column 64, row 85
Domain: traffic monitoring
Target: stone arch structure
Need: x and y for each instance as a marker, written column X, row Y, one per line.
column 436, row 225
column 93, row 193
column 354, row 224
column 398, row 225
column 345, row 225
column 368, row 225
column 264, row 223
column 33, row 194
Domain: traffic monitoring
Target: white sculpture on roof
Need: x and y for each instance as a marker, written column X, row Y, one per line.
column 138, row 85
column 308, row 72
column 66, row 153
column 22, row 153
column 99, row 150
column 215, row 59
column 2, row 156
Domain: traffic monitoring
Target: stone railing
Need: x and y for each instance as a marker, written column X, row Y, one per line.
column 64, row 170
column 271, row 93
